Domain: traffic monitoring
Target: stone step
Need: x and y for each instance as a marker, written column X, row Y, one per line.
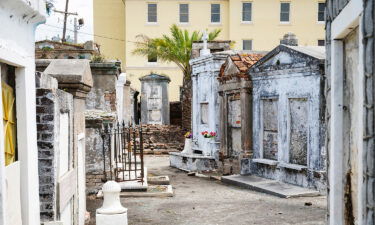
column 268, row 186
column 158, row 180
column 133, row 185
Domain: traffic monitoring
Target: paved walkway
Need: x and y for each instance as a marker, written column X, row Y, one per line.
column 200, row 201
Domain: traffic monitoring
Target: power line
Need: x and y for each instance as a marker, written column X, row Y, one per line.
column 87, row 33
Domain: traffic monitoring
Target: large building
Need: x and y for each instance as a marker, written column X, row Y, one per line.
column 252, row 25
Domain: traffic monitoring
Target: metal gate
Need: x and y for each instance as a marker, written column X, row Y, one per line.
column 123, row 152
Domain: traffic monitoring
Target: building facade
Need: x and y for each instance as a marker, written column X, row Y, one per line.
column 251, row 25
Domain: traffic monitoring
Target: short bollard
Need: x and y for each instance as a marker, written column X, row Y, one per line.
column 112, row 212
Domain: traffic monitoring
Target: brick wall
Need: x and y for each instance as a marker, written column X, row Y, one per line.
column 161, row 139
column 45, row 133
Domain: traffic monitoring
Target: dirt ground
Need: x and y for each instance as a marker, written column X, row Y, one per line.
column 201, row 201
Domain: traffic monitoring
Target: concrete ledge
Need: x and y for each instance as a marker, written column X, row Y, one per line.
column 134, row 185
column 266, row 161
column 192, row 162
column 292, row 166
column 195, row 156
column 267, row 186
column 152, row 191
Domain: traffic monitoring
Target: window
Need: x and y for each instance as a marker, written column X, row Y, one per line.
column 246, row 11
column 284, row 11
column 152, row 16
column 152, row 59
column 184, row 13
column 321, row 11
column 215, row 13
column 247, row 44
column 321, row 43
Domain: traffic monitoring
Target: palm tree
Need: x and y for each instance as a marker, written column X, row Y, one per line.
column 175, row 48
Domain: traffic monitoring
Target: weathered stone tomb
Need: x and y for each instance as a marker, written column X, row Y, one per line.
column 288, row 126
column 73, row 76
column 235, row 111
column 154, row 99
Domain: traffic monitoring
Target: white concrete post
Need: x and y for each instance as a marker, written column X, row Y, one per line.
column 112, row 212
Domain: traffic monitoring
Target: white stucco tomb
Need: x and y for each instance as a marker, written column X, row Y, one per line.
column 204, row 152
column 19, row 19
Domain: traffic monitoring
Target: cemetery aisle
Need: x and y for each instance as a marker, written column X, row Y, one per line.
column 203, row 201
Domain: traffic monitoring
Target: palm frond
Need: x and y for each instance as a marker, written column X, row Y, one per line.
column 175, row 47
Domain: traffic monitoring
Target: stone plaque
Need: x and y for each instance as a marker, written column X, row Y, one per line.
column 155, row 92
column 204, row 113
column 234, row 112
column 298, row 131
column 154, row 116
column 270, row 128
column 154, row 103
column 236, row 141
column 67, row 186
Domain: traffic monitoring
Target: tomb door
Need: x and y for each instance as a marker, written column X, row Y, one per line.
column 298, row 131
column 351, row 120
column 234, row 125
column 269, row 131
column 67, row 174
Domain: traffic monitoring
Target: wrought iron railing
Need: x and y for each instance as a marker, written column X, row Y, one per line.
column 123, row 152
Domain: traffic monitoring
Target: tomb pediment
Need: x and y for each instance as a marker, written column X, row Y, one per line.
column 288, row 57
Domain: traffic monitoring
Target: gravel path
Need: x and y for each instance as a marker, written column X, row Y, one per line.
column 201, row 201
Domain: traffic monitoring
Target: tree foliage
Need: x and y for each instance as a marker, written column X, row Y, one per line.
column 175, row 47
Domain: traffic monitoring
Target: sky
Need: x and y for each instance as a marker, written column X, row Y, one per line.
column 55, row 21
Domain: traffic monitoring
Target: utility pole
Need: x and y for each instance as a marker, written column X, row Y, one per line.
column 65, row 18
column 75, row 31
column 66, row 14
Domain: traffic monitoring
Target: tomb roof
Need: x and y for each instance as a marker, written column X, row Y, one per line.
column 154, row 76
column 237, row 65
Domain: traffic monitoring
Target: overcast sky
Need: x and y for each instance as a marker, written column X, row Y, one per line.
column 55, row 21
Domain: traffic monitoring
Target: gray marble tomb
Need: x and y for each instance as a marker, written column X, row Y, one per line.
column 154, row 99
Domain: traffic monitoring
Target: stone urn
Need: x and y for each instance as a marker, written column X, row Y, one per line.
column 207, row 146
column 187, row 148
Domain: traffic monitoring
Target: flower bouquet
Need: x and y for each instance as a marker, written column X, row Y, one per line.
column 207, row 134
column 188, row 135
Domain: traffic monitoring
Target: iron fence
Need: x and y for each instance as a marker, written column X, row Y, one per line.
column 123, row 152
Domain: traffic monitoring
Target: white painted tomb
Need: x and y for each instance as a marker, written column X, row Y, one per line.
column 204, row 152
